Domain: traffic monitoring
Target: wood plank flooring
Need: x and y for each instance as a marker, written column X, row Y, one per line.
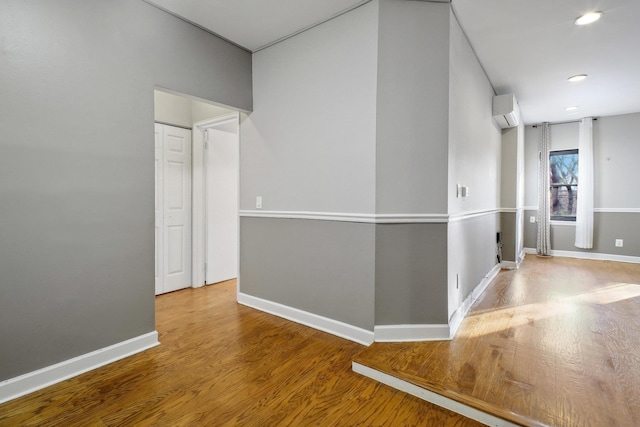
column 222, row 364
column 556, row 342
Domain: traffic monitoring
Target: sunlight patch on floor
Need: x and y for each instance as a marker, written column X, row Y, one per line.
column 495, row 321
column 615, row 293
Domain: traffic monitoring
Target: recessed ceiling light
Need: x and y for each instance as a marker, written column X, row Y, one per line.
column 588, row 18
column 572, row 108
column 577, row 77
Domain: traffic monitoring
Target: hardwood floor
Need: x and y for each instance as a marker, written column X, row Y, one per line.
column 221, row 364
column 556, row 342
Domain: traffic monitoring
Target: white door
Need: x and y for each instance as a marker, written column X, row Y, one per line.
column 173, row 208
column 221, row 157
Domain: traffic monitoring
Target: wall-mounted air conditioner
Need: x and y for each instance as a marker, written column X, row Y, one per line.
column 505, row 111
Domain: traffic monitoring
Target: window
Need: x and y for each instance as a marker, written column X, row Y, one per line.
column 564, row 184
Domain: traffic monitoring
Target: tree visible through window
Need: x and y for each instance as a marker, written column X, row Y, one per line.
column 564, row 184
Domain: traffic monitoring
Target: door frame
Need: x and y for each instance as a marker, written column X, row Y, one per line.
column 198, row 195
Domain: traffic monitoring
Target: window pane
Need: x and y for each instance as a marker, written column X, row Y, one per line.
column 564, row 168
column 564, row 184
column 564, row 201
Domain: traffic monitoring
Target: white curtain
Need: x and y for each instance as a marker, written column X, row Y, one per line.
column 584, row 212
column 543, row 245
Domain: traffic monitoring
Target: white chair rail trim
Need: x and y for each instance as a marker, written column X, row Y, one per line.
column 438, row 218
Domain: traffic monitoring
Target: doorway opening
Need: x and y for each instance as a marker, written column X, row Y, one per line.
column 196, row 194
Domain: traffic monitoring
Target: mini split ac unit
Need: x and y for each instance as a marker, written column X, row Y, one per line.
column 505, row 111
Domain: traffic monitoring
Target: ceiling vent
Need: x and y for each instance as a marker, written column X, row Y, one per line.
column 505, row 111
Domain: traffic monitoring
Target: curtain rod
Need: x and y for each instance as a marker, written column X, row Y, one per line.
column 562, row 123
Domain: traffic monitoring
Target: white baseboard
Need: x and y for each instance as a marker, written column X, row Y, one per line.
column 381, row 333
column 461, row 312
column 589, row 255
column 434, row 332
column 408, row 333
column 509, row 265
column 430, row 396
column 513, row 265
column 341, row 329
column 36, row 380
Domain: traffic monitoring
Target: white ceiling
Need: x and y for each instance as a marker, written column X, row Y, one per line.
column 527, row 47
column 255, row 24
column 531, row 47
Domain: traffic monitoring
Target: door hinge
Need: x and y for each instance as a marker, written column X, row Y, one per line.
column 205, row 271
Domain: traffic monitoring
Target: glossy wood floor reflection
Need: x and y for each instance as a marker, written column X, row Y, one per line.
column 554, row 343
column 224, row 364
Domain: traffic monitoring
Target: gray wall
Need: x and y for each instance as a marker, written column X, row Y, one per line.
column 512, row 193
column 508, row 168
column 322, row 267
column 76, row 171
column 359, row 115
column 607, row 227
column 617, row 216
column 474, row 161
column 435, row 130
column 309, row 144
column 508, row 222
column 616, row 152
column 411, row 274
column 474, row 137
column 411, row 161
column 520, row 195
column 474, row 255
column 412, row 107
